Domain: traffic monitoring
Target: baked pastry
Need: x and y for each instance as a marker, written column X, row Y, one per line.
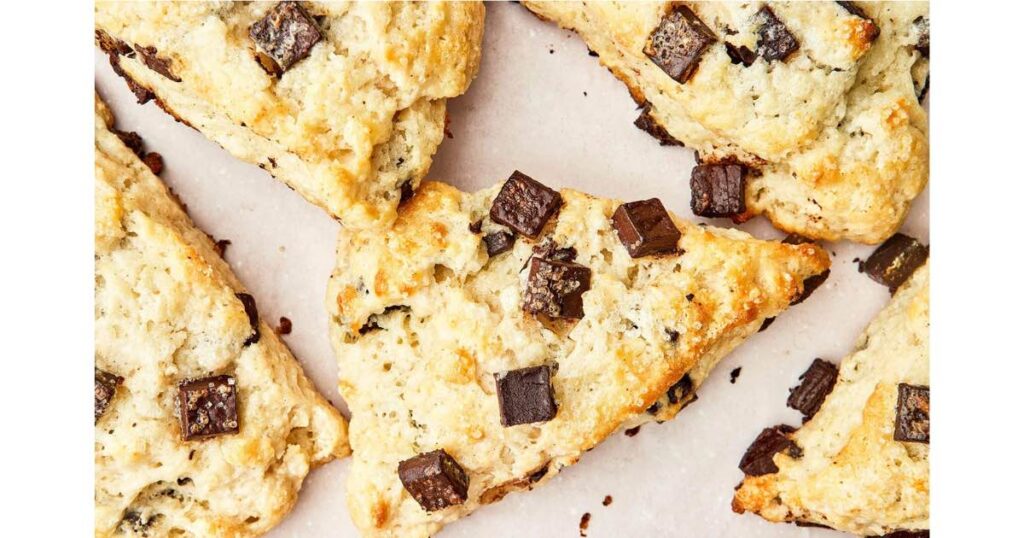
column 205, row 423
column 818, row 101
column 860, row 462
column 488, row 340
column 344, row 102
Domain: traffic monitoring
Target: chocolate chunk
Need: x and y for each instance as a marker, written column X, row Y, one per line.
column 106, row 385
column 923, row 28
column 912, row 414
column 550, row 250
column 476, row 226
column 112, row 45
column 584, row 524
column 774, row 42
column 285, row 34
column 815, row 384
column 254, row 318
column 156, row 63
column 740, row 54
column 155, row 162
column 132, row 140
column 607, row 500
column 525, row 395
column 556, row 288
column 525, row 205
column 631, row 432
column 680, row 390
column 207, row 407
column 405, row 192
column 645, row 122
column 718, row 190
column 895, row 261
column 434, row 479
column 811, row 284
column 735, row 374
column 284, row 326
column 757, row 460
column 645, row 228
column 765, row 324
column 678, row 43
column 499, row 242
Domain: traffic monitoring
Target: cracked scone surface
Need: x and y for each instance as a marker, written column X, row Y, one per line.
column 347, row 126
column 835, row 130
column 853, row 476
column 421, row 319
column 167, row 310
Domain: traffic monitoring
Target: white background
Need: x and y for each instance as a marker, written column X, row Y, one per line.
column 541, row 105
column 46, row 281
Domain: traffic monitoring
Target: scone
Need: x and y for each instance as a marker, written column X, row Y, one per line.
column 344, row 102
column 860, row 462
column 817, row 102
column 488, row 340
column 205, row 423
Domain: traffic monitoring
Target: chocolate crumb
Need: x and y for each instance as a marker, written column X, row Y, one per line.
column 155, row 162
column 607, row 500
column 584, row 523
column 132, row 140
column 765, row 324
column 221, row 246
column 734, row 374
column 284, row 326
column 632, row 431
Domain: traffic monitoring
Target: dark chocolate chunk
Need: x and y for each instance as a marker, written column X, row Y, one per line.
column 556, row 288
column 718, row 190
column 525, row 395
column 550, row 250
column 284, row 326
column 815, row 384
column 156, row 63
column 774, row 42
column 678, row 43
column 631, row 432
column 680, row 390
column 912, row 414
column 923, row 28
column 106, row 385
column 645, row 228
column 740, row 54
column 132, row 140
column 893, row 262
column 645, row 122
column 207, row 407
column 525, row 205
column 285, row 34
column 735, row 374
column 405, row 192
column 254, row 318
column 796, row 239
column 155, row 162
column 499, row 242
column 757, row 460
column 765, row 324
column 811, row 284
column 908, row 534
column 434, row 479
column 476, row 226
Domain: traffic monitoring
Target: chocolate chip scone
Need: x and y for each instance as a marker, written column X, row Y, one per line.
column 488, row 340
column 205, row 423
column 344, row 102
column 860, row 462
column 817, row 101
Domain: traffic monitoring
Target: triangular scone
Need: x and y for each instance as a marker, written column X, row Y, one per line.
column 847, row 470
column 343, row 101
column 171, row 318
column 426, row 324
column 833, row 129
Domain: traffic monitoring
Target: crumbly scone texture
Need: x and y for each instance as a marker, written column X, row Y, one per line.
column 836, row 131
column 347, row 127
column 853, row 476
column 421, row 318
column 166, row 310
